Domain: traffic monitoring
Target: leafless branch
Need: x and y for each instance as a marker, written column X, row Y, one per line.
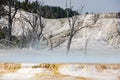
column 72, row 23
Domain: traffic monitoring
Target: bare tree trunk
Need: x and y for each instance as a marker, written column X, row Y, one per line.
column 69, row 41
column 40, row 34
column 51, row 44
column 10, row 30
column 10, row 20
column 72, row 21
column 85, row 48
column 9, row 23
column 86, row 42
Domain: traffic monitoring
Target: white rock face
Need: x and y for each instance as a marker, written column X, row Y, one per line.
column 102, row 28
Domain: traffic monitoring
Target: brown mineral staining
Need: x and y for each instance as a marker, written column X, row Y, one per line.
column 52, row 71
column 107, row 66
column 52, row 67
column 60, row 78
column 9, row 67
column 119, row 77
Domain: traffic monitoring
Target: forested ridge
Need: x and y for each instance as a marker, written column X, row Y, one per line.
column 51, row 12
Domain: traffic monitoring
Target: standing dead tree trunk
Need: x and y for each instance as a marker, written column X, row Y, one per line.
column 72, row 23
column 86, row 41
column 37, row 24
column 11, row 15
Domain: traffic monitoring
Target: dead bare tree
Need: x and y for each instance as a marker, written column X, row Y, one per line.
column 23, row 38
column 72, row 23
column 86, row 41
column 37, row 24
column 12, row 4
column 51, row 45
